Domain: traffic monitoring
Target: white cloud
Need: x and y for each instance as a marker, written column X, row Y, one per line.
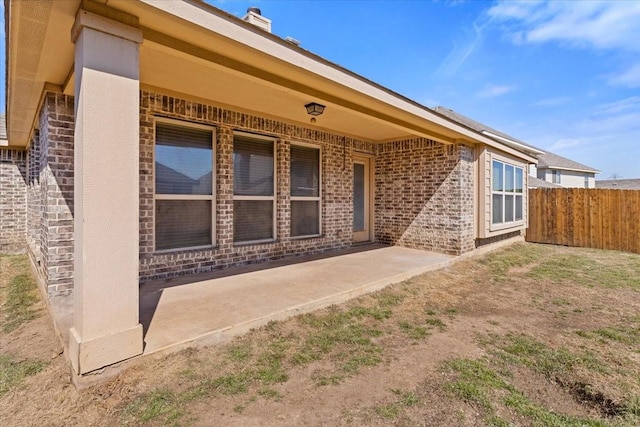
column 584, row 24
column 629, row 78
column 564, row 143
column 606, row 136
column 552, row 102
column 461, row 51
column 492, row 91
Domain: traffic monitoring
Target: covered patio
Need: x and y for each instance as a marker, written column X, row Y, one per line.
column 214, row 307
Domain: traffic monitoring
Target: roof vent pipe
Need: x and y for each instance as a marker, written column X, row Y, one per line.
column 254, row 16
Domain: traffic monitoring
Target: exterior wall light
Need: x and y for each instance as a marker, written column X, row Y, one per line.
column 314, row 109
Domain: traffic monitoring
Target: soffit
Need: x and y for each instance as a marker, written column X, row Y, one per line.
column 205, row 32
column 164, row 67
column 40, row 51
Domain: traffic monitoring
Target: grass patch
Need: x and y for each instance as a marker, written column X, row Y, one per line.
column 435, row 322
column 518, row 255
column 231, row 384
column 324, row 380
column 389, row 298
column 20, row 293
column 270, row 394
column 629, row 336
column 342, row 336
column 13, row 373
column 240, row 353
column 415, row 332
column 555, row 364
column 480, row 386
column 378, row 313
column 162, row 405
column 540, row 416
column 474, row 381
column 408, row 398
column 389, row 411
column 612, row 272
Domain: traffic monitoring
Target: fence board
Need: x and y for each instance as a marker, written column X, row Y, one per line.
column 594, row 218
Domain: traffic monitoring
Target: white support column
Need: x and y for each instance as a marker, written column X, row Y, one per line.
column 106, row 327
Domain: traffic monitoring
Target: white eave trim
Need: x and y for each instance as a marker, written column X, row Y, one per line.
column 512, row 143
column 563, row 168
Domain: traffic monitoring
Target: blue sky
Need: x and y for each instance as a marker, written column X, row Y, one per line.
column 563, row 76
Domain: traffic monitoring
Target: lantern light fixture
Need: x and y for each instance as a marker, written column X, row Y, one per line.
column 314, row 109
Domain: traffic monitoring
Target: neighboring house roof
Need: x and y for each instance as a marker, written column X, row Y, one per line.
column 553, row 161
column 621, row 184
column 484, row 129
column 539, row 183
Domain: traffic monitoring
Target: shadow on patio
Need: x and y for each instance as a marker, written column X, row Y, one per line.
column 214, row 307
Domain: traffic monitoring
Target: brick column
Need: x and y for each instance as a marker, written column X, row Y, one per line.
column 106, row 326
column 283, row 195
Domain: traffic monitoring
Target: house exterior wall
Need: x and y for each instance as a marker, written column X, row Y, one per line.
column 13, row 200
column 49, row 210
column 424, row 196
column 486, row 230
column 423, row 192
column 337, row 185
column 569, row 179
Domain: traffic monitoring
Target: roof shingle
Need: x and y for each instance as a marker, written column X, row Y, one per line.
column 477, row 126
column 553, row 161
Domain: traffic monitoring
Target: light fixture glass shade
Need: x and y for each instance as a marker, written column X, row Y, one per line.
column 314, row 108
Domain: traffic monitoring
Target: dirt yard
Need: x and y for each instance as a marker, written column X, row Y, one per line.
column 531, row 335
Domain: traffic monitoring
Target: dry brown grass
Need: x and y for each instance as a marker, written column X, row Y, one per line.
column 529, row 335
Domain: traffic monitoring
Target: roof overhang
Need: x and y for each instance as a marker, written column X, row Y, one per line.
column 513, row 144
column 228, row 62
column 568, row 169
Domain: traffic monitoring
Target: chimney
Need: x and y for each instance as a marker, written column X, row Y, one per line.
column 254, row 16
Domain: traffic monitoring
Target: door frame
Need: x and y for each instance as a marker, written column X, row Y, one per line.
column 366, row 235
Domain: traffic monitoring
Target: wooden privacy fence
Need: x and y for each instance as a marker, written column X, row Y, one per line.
column 592, row 218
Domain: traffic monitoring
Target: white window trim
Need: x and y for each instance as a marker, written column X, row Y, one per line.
column 309, row 199
column 275, row 188
column 515, row 223
column 556, row 176
column 211, row 197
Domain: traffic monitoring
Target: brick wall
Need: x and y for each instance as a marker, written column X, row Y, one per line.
column 50, row 194
column 423, row 192
column 337, row 184
column 34, row 198
column 424, row 196
column 13, row 200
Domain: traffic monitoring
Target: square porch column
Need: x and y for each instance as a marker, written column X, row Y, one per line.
column 106, row 327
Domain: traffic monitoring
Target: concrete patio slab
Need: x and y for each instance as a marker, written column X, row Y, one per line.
column 214, row 307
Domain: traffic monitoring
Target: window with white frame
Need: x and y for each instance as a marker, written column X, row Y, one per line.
column 586, row 181
column 254, row 200
column 507, row 182
column 184, row 211
column 305, row 191
column 555, row 176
